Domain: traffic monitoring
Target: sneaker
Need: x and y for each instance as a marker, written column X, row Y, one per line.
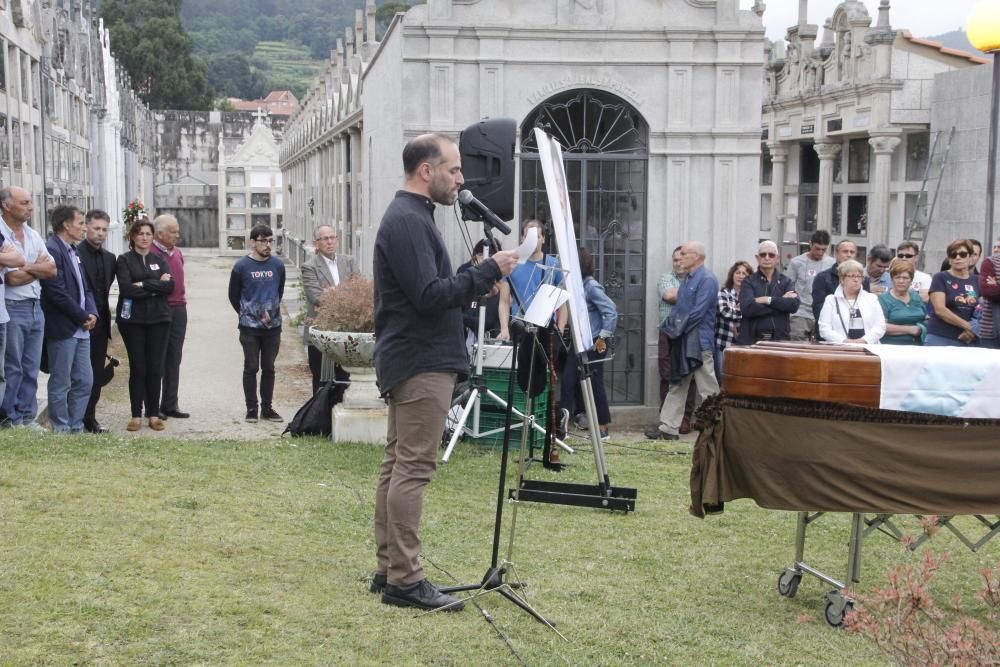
column 252, row 415
column 604, row 435
column 379, row 582
column 423, row 595
column 657, row 434
column 581, row 421
column 270, row 415
column 563, row 423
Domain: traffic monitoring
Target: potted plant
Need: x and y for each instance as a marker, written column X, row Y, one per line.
column 344, row 329
column 345, row 323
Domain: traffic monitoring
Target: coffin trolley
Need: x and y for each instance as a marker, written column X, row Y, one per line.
column 799, row 428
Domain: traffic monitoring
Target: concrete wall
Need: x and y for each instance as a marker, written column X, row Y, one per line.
column 187, row 178
column 962, row 100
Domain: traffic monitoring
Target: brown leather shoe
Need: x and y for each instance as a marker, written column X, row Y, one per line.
column 685, row 427
column 157, row 424
column 134, row 424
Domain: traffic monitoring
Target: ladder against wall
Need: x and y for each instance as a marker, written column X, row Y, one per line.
column 917, row 227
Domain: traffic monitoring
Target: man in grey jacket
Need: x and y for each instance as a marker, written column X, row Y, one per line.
column 325, row 271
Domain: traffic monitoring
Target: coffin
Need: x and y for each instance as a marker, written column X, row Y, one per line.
column 836, row 373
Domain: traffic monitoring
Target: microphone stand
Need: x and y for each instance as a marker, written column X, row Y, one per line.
column 478, row 385
column 494, row 580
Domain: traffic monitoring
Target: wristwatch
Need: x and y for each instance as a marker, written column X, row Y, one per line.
column 769, row 300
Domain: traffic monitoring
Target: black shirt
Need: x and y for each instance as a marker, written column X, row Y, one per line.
column 147, row 302
column 418, row 301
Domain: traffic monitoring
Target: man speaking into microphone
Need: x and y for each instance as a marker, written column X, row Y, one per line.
column 419, row 354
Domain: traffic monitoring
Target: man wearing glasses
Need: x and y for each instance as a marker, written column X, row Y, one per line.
column 325, row 271
column 910, row 251
column 256, row 287
column 767, row 300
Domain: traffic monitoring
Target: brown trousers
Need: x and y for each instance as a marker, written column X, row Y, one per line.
column 418, row 409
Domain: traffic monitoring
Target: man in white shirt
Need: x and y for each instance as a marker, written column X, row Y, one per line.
column 910, row 251
column 323, row 272
column 22, row 293
column 801, row 271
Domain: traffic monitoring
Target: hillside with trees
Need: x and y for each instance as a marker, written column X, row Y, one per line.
column 956, row 39
column 254, row 46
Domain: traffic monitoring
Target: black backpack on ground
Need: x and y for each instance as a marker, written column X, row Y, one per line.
column 314, row 417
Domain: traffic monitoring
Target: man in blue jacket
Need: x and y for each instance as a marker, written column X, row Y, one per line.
column 691, row 329
column 70, row 313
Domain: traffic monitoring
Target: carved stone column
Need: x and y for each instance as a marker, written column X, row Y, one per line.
column 827, row 152
column 878, row 207
column 779, row 157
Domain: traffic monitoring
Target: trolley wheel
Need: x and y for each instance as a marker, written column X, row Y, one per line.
column 834, row 613
column 788, row 583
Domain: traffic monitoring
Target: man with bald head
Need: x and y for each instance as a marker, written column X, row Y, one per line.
column 166, row 235
column 22, row 293
column 690, row 326
column 321, row 274
column 767, row 300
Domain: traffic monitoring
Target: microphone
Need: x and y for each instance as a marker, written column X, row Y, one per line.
column 489, row 217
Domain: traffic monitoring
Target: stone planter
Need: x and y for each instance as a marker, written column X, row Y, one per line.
column 363, row 416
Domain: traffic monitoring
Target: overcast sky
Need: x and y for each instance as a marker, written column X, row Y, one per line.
column 921, row 17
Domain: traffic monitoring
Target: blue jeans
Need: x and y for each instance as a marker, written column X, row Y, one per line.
column 70, row 380
column 933, row 340
column 22, row 356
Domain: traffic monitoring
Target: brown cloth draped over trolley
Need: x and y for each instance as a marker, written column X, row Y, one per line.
column 833, row 454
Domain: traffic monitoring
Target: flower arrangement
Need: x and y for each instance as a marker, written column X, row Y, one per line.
column 348, row 307
column 132, row 212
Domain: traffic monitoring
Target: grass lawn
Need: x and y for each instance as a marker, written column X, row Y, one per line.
column 164, row 552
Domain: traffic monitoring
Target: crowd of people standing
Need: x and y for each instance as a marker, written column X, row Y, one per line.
column 822, row 298
column 55, row 315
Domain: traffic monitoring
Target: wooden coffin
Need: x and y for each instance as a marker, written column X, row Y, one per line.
column 836, row 373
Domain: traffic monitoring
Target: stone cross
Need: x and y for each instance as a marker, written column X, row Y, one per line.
column 260, row 115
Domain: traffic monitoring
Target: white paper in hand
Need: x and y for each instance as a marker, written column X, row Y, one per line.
column 527, row 247
column 546, row 301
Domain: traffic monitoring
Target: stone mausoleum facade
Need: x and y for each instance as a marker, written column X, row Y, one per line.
column 656, row 102
column 848, row 140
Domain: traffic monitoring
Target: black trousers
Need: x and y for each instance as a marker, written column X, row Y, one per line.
column 146, row 344
column 98, row 353
column 315, row 365
column 172, row 358
column 259, row 353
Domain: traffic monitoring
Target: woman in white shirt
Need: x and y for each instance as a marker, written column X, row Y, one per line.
column 851, row 315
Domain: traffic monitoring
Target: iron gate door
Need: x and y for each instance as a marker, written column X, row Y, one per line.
column 605, row 152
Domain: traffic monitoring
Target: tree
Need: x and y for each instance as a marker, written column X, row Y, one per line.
column 384, row 14
column 233, row 75
column 149, row 42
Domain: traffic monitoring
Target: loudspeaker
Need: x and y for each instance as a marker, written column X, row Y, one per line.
column 487, row 150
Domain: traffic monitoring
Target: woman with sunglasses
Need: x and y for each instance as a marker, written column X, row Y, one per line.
column 850, row 314
column 954, row 297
